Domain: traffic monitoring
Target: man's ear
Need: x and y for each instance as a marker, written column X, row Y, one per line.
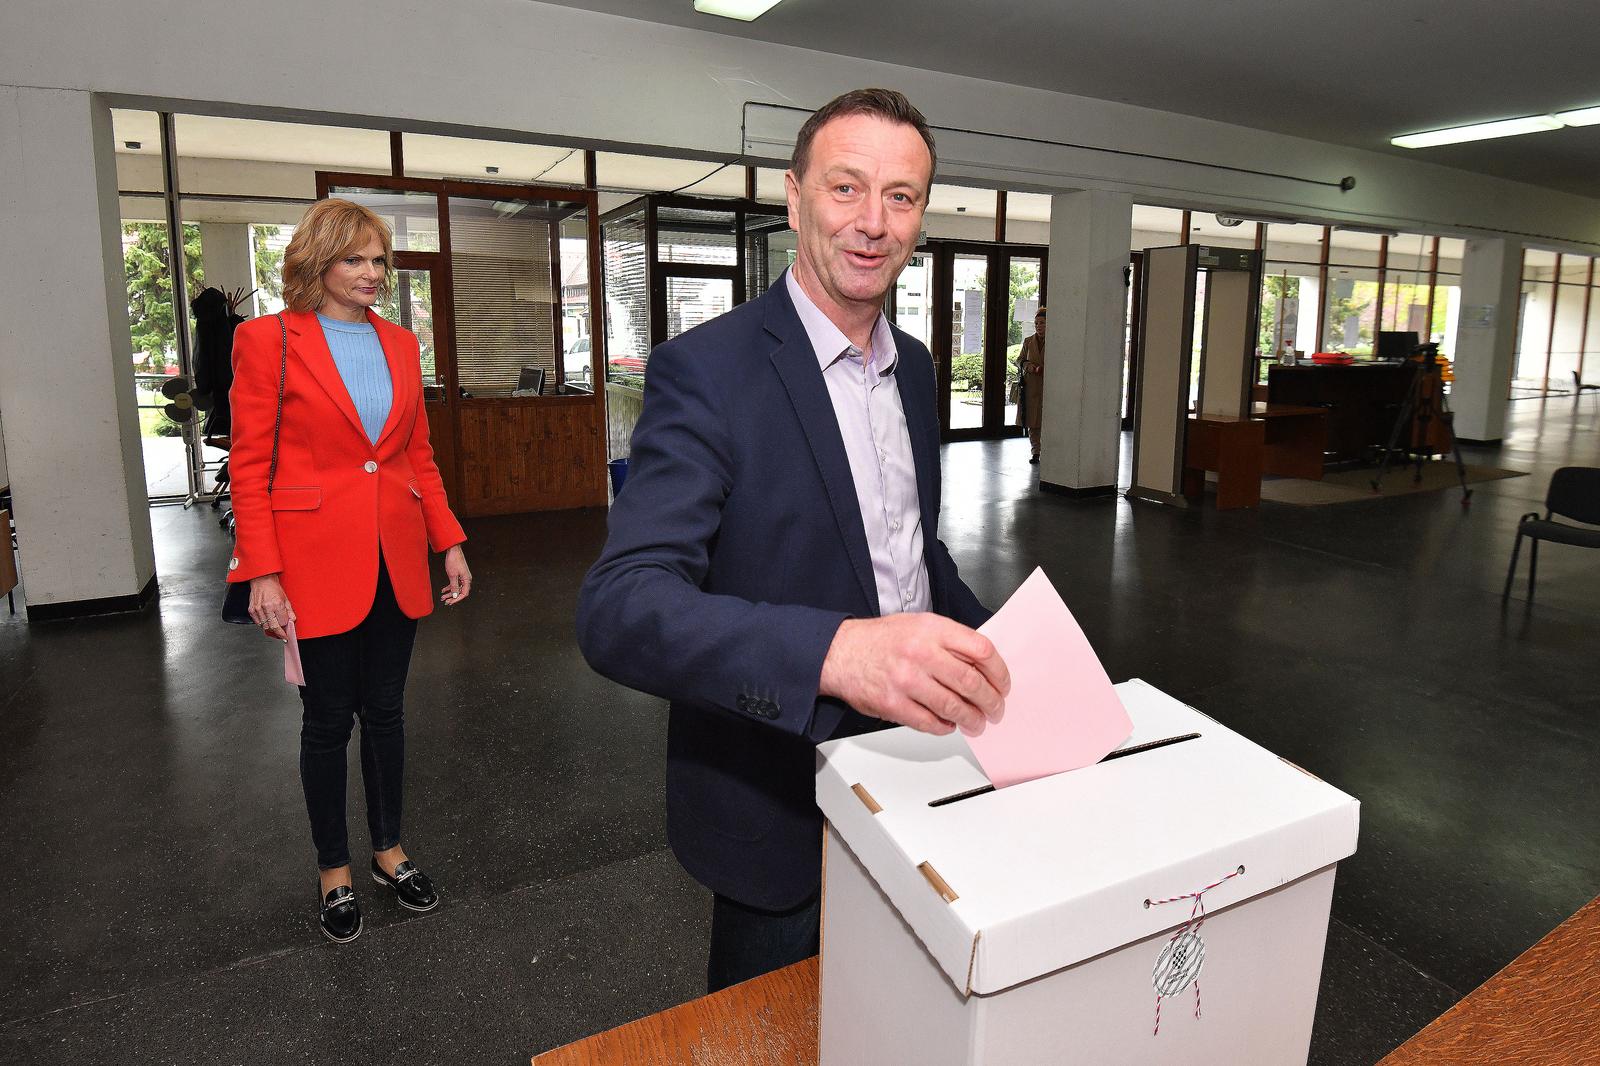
column 791, row 193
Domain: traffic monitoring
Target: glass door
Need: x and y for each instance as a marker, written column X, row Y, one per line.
column 981, row 305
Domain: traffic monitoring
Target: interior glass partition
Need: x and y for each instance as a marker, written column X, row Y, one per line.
column 671, row 263
column 674, row 262
column 499, row 283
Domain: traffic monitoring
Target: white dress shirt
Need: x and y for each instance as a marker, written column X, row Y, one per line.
column 866, row 401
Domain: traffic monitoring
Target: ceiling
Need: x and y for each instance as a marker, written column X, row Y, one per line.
column 1355, row 73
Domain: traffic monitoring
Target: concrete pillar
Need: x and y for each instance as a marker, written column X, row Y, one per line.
column 1080, row 430
column 66, row 360
column 1486, row 338
column 225, row 253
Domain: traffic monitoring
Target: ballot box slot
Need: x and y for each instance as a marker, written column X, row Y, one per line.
column 1120, row 753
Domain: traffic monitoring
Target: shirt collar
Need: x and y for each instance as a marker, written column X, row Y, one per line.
column 829, row 340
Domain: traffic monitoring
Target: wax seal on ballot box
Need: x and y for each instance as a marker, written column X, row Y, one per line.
column 1179, row 963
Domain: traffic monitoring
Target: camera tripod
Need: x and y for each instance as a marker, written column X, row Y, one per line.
column 1422, row 405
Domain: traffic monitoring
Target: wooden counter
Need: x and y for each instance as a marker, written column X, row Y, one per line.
column 1538, row 1011
column 770, row 1021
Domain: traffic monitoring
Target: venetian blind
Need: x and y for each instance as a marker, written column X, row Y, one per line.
column 627, row 294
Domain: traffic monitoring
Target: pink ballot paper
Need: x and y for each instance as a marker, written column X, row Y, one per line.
column 293, row 672
column 1062, row 712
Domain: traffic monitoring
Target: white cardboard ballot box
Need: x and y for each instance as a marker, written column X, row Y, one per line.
column 1012, row 928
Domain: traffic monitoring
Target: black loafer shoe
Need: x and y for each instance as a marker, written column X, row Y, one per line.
column 411, row 886
column 340, row 918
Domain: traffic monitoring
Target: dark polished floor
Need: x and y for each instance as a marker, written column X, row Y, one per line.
column 162, row 883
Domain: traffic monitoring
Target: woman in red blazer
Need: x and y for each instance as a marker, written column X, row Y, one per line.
column 339, row 547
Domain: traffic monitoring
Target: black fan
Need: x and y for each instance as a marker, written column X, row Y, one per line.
column 184, row 400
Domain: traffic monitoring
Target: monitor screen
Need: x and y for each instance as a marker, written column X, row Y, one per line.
column 1395, row 344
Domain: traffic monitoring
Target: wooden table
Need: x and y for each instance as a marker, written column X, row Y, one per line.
column 1274, row 439
column 1539, row 1010
column 770, row 1021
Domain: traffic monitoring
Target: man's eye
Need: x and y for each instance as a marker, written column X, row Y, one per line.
column 845, row 189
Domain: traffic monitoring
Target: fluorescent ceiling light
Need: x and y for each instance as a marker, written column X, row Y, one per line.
column 1585, row 116
column 743, row 10
column 1480, row 131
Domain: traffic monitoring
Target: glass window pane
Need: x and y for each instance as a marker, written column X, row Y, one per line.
column 1567, row 342
column 1348, row 248
column 1022, row 305
column 504, row 257
column 1533, row 334
column 913, row 296
column 410, row 304
column 627, row 296
column 694, row 301
column 769, row 250
column 685, row 235
column 1288, row 309
column 577, row 335
column 1294, row 243
column 1352, row 310
column 968, row 302
column 413, row 216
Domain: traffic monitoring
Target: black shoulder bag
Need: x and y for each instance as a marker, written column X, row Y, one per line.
column 236, row 604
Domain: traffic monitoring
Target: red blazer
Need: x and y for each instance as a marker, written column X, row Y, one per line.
column 337, row 495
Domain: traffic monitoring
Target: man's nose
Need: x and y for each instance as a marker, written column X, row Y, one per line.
column 871, row 219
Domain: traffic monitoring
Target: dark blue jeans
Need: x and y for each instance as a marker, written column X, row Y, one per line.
column 747, row 942
column 358, row 674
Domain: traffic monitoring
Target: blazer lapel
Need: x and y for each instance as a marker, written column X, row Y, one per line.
column 796, row 363
column 922, row 424
column 308, row 343
column 395, row 351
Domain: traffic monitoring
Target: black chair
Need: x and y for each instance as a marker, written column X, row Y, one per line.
column 1574, row 493
column 1579, row 388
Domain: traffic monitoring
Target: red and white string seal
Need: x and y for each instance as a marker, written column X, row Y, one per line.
column 1178, row 965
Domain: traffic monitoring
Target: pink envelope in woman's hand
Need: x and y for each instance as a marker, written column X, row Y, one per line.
column 293, row 672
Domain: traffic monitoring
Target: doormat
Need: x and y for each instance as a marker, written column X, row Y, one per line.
column 1348, row 486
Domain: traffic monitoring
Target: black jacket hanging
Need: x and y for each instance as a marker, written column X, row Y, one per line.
column 214, row 323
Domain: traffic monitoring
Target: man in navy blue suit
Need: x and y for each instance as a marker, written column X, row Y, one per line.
column 773, row 566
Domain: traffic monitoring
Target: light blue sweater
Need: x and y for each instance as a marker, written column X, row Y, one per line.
column 359, row 357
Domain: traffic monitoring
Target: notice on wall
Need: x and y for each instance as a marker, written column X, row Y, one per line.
column 1477, row 316
column 972, row 320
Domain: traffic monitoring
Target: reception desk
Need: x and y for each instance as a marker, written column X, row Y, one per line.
column 1362, row 401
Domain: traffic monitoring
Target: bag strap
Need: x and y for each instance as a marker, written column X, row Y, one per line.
column 277, row 421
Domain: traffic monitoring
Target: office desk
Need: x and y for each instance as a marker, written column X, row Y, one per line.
column 1363, row 400
column 770, row 1021
column 1277, row 439
column 1538, row 1010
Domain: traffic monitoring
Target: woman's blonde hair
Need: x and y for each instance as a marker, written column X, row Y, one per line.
column 330, row 230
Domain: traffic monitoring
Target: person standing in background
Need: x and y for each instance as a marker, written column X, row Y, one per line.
column 1032, row 360
column 338, row 544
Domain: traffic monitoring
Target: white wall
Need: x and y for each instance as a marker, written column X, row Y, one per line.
column 66, row 363
column 570, row 76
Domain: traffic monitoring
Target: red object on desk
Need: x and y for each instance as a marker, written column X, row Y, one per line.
column 1332, row 358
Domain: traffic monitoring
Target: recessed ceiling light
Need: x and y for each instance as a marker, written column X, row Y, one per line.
column 743, row 10
column 1480, row 131
column 1584, row 116
column 133, row 146
column 491, row 170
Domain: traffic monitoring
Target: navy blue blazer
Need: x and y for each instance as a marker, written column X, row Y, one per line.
column 734, row 553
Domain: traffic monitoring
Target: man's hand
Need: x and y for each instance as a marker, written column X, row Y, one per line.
column 920, row 670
